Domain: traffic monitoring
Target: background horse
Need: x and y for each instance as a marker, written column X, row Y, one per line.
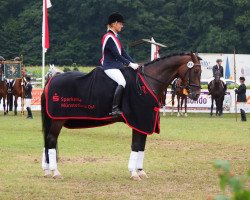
column 217, row 94
column 3, row 95
column 158, row 75
column 181, row 93
column 17, row 91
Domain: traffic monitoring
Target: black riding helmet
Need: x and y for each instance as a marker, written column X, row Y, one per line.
column 115, row 17
column 242, row 78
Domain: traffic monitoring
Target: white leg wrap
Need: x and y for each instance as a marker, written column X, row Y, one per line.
column 132, row 161
column 52, row 159
column 45, row 165
column 139, row 164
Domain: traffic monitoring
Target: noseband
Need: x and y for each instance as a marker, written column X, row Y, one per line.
column 189, row 84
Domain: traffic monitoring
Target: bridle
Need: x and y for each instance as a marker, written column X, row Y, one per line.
column 187, row 84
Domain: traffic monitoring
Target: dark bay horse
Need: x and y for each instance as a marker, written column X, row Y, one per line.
column 217, row 94
column 180, row 92
column 158, row 75
column 3, row 95
column 17, row 91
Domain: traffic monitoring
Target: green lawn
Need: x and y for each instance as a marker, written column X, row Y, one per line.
column 93, row 162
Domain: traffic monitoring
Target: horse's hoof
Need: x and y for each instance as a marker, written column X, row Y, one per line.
column 47, row 173
column 142, row 174
column 57, row 174
column 178, row 115
column 135, row 176
column 186, row 115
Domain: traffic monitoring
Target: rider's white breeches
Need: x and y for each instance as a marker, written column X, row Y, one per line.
column 221, row 78
column 117, row 76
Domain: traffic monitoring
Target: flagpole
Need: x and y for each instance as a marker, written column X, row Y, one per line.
column 235, row 102
column 43, row 68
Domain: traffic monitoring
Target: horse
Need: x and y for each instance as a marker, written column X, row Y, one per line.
column 180, row 92
column 217, row 94
column 157, row 74
column 17, row 91
column 3, row 95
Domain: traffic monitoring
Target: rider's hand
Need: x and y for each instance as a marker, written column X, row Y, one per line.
column 133, row 65
column 22, row 83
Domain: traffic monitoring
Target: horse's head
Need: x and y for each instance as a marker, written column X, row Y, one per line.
column 217, row 76
column 52, row 72
column 190, row 73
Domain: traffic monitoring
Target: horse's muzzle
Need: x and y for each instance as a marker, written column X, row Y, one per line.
column 194, row 95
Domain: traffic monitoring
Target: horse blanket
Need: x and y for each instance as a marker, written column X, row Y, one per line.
column 85, row 100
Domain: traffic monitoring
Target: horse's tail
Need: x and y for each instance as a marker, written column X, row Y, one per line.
column 46, row 120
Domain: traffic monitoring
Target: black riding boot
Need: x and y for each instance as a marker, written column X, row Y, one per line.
column 29, row 116
column 116, row 101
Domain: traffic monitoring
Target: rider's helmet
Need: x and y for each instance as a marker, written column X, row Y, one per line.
column 218, row 60
column 115, row 17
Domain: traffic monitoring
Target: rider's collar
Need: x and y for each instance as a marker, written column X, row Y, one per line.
column 113, row 32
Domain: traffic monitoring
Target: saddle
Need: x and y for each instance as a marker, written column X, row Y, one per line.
column 86, row 100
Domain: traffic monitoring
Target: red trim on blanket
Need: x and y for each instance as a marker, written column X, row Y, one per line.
column 151, row 92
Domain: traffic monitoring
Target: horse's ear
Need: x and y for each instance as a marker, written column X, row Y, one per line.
column 193, row 57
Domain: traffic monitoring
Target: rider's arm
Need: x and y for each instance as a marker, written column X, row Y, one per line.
column 110, row 45
column 125, row 55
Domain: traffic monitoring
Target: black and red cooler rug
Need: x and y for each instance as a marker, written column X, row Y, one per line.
column 86, row 100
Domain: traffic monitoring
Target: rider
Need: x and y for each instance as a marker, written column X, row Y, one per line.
column 2, row 68
column 28, row 96
column 216, row 68
column 114, row 58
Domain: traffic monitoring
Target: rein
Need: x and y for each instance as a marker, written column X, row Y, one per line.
column 187, row 86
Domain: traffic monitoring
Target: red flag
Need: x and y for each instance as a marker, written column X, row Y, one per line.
column 45, row 31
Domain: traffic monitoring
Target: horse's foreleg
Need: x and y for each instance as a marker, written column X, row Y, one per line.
column 136, row 159
column 172, row 98
column 212, row 107
column 15, row 104
column 178, row 106
column 49, row 162
column 185, row 106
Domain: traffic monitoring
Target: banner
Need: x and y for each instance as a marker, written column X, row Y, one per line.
column 12, row 69
column 203, row 104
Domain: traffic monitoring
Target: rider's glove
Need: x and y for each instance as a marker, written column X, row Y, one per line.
column 133, row 65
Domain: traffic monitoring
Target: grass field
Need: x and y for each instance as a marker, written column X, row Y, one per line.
column 93, row 162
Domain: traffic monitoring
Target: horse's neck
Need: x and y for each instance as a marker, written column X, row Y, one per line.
column 164, row 71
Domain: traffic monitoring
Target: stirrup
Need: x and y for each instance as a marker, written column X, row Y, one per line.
column 116, row 112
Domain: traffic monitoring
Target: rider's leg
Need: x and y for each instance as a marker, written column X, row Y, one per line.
column 117, row 76
column 225, row 84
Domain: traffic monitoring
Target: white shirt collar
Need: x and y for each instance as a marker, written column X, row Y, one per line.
column 113, row 32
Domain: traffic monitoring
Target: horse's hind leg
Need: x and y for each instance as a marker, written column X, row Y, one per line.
column 136, row 159
column 49, row 161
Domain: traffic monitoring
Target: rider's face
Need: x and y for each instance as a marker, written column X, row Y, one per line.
column 117, row 26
